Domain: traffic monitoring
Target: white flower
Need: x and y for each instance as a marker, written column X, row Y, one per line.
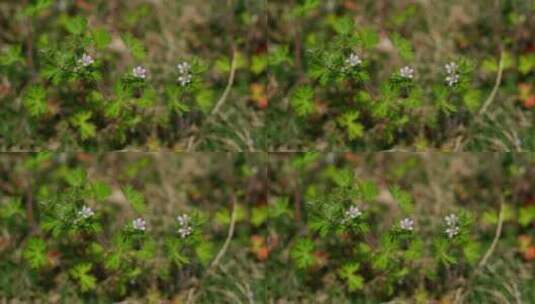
column 353, row 60
column 184, row 80
column 185, row 231
column 139, row 72
column 451, row 67
column 352, row 213
column 86, row 60
column 451, row 220
column 139, row 224
column 407, row 72
column 184, row 67
column 183, row 219
column 406, row 224
column 86, row 212
column 452, row 79
column 452, row 231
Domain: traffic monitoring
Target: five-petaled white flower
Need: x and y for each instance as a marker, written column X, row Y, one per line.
column 184, row 70
column 86, row 60
column 451, row 67
column 139, row 224
column 139, row 72
column 185, row 229
column 353, row 60
column 184, row 80
column 452, row 231
column 407, row 72
column 453, row 77
column 86, row 212
column 451, row 219
column 183, row 219
column 183, row 67
column 406, row 224
column 352, row 213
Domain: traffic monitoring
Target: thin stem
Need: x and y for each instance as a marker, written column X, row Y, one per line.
column 496, row 85
column 230, row 82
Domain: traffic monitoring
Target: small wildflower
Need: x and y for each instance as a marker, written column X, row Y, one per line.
column 140, row 72
column 452, row 231
column 353, row 60
column 86, row 212
column 451, row 219
column 184, row 80
column 451, row 68
column 183, row 219
column 185, row 228
column 406, row 224
column 139, row 224
column 407, row 72
column 452, row 79
column 352, row 213
column 451, row 223
column 185, row 231
column 86, row 60
column 184, row 67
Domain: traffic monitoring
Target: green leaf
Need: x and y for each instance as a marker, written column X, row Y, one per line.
column 100, row 190
column 415, row 250
column 526, row 215
column 75, row 177
column 86, row 129
column 11, row 55
column 526, row 63
column 441, row 247
column 403, row 46
column 81, row 274
column 205, row 100
column 279, row 54
column 205, row 252
column 306, row 7
column 36, row 8
column 303, row 253
column 11, row 208
column 101, row 38
column 135, row 46
column 280, row 207
column 343, row 25
column 368, row 190
column 35, row 100
column 75, row 25
column 259, row 215
column 368, row 37
column 173, row 248
column 472, row 252
column 135, row 198
column 35, row 252
column 472, row 100
column 354, row 281
column 302, row 100
column 353, row 128
column 343, row 177
column 259, row 63
column 403, row 198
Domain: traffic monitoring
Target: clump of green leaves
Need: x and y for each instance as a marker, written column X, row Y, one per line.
column 71, row 236
column 346, row 235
